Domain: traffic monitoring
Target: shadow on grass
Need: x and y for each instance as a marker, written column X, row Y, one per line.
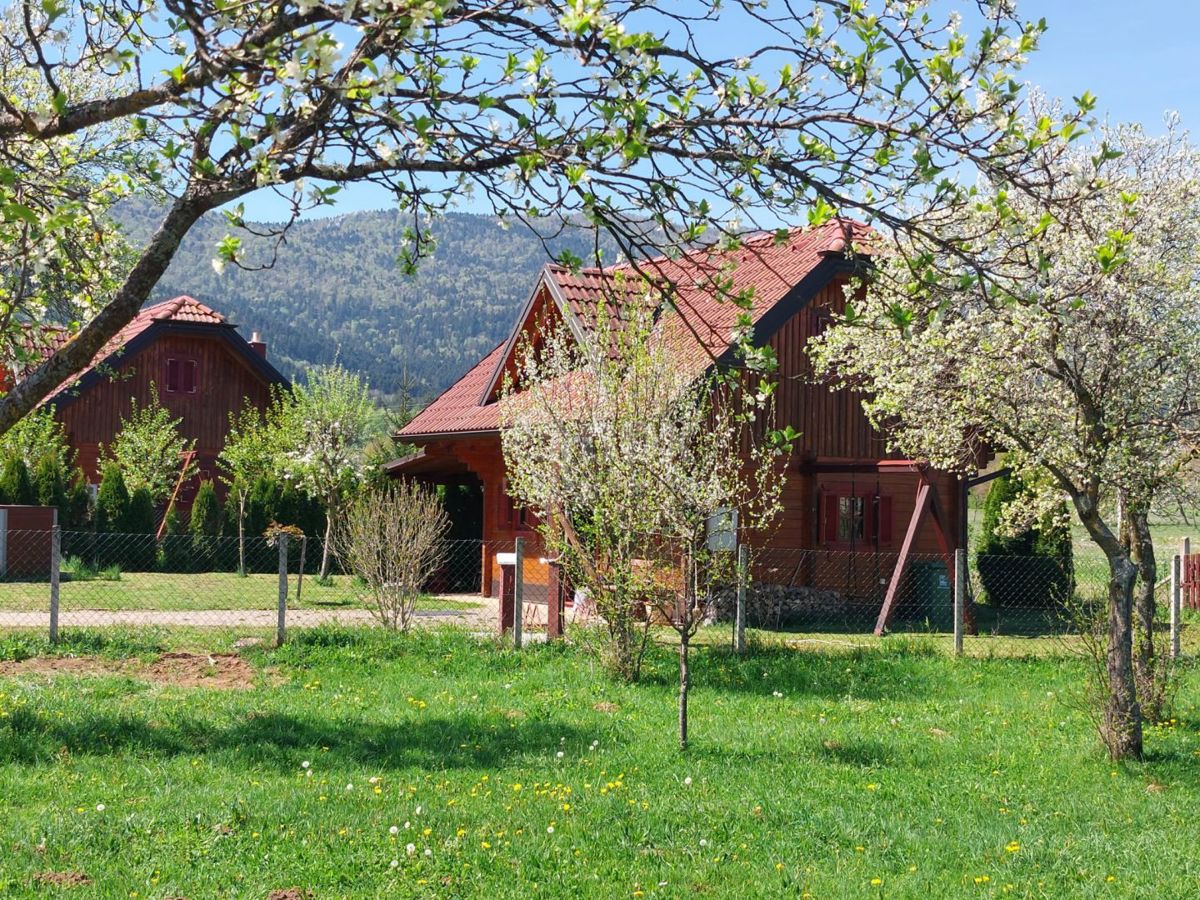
column 280, row 739
column 896, row 669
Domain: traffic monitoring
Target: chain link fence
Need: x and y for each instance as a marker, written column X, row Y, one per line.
column 52, row 580
column 262, row 587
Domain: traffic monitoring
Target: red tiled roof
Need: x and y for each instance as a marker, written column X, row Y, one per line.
column 180, row 309
column 700, row 326
column 458, row 409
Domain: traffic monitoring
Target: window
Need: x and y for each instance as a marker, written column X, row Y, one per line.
column 515, row 517
column 852, row 519
column 855, row 518
column 182, row 376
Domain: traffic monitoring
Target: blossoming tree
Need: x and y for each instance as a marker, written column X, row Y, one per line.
column 657, row 122
column 626, row 455
column 322, row 428
column 250, row 451
column 1074, row 347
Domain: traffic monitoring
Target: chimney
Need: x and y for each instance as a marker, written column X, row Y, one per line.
column 257, row 345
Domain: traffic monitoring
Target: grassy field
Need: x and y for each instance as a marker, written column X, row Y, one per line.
column 206, row 590
column 364, row 765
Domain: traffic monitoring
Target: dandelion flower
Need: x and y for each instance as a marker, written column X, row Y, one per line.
column 703, row 842
column 559, row 754
column 688, row 781
column 410, row 849
column 549, row 829
column 395, row 863
column 99, row 807
column 395, row 829
column 349, row 787
column 305, row 764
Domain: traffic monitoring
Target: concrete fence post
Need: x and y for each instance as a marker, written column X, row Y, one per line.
column 1176, row 602
column 281, row 623
column 960, row 597
column 55, row 565
column 739, row 615
column 518, row 592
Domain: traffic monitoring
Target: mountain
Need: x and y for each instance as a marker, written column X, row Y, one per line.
column 336, row 293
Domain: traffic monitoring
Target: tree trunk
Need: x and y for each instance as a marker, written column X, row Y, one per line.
column 325, row 544
column 75, row 354
column 684, row 676
column 1121, row 729
column 242, row 536
column 1148, row 663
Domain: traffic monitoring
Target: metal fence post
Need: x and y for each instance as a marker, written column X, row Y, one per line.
column 518, row 592
column 739, row 615
column 1176, row 596
column 55, row 562
column 281, row 624
column 960, row 597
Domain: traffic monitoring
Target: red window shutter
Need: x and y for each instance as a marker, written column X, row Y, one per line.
column 885, row 519
column 172, row 375
column 829, row 518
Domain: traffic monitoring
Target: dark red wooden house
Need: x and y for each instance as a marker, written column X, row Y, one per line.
column 844, row 492
column 188, row 355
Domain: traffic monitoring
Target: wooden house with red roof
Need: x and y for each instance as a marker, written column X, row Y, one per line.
column 844, row 494
column 187, row 354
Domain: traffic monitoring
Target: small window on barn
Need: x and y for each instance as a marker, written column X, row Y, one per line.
column 191, row 380
column 173, row 375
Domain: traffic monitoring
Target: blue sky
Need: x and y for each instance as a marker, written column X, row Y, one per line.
column 1140, row 59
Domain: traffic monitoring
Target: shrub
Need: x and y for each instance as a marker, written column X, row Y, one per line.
column 175, row 548
column 393, row 540
column 112, row 500
column 78, row 513
column 16, row 486
column 139, row 549
column 1033, row 569
column 50, row 485
column 205, row 526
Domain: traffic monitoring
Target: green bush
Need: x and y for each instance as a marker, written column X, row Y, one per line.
column 139, row 548
column 78, row 515
column 175, row 548
column 1033, row 569
column 112, row 500
column 205, row 527
column 50, row 485
column 16, row 486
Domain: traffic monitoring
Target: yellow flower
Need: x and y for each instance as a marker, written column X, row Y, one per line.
column 876, row 882
column 1012, row 846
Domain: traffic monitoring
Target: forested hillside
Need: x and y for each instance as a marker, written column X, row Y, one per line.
column 336, row 292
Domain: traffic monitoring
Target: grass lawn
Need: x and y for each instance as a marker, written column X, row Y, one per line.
column 205, row 590
column 888, row 772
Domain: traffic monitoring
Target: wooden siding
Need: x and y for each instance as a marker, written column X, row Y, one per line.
column 831, row 423
column 224, row 379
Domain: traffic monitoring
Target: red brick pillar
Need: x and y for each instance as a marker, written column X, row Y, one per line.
column 508, row 570
column 556, row 596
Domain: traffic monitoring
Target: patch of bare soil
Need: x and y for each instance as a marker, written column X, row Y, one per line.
column 222, row 671
column 606, row 706
column 226, row 671
column 62, row 879
column 291, row 894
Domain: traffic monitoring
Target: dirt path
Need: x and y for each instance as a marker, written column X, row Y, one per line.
column 482, row 615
